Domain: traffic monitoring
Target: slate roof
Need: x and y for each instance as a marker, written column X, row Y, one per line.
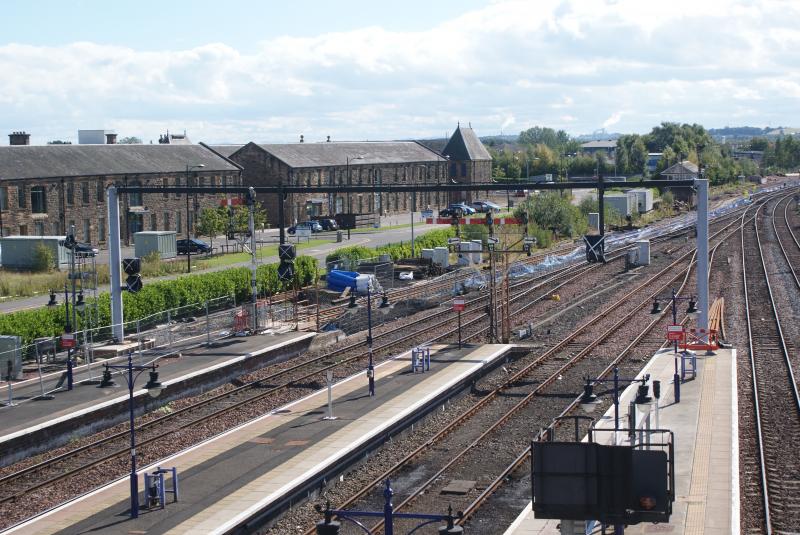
column 600, row 144
column 325, row 154
column 225, row 150
column 681, row 169
column 465, row 145
column 50, row 161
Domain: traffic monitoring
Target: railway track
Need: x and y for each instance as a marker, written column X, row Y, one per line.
column 517, row 473
column 774, row 467
column 258, row 395
column 545, row 379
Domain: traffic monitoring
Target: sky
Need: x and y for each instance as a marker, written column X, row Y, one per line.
column 269, row 71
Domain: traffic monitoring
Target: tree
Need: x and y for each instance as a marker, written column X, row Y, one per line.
column 240, row 221
column 211, row 223
column 130, row 140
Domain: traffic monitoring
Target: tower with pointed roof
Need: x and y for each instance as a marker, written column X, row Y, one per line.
column 469, row 161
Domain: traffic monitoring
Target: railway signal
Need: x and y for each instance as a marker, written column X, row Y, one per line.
column 132, row 267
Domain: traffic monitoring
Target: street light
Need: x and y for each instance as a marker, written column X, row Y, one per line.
column 589, row 401
column 188, row 243
column 692, row 311
column 154, row 388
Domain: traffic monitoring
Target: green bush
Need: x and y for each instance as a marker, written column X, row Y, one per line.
column 157, row 296
column 429, row 240
column 44, row 260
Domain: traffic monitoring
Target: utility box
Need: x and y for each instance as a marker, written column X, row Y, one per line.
column 594, row 221
column 163, row 241
column 623, row 203
column 441, row 256
column 18, row 251
column 10, row 357
column 644, row 252
column 644, row 199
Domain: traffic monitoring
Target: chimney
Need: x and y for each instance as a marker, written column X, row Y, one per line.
column 19, row 138
column 111, row 139
column 329, row 139
column 301, row 138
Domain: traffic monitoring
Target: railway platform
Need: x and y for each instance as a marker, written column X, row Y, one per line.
column 705, row 424
column 34, row 425
column 242, row 477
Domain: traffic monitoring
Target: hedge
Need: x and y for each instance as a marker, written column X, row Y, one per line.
column 158, row 296
column 429, row 240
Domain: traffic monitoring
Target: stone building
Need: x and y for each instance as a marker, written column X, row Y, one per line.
column 45, row 189
column 470, row 162
column 464, row 160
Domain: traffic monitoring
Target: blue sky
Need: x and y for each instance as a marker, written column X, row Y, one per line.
column 237, row 71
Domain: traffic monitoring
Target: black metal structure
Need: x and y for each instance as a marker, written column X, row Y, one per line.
column 283, row 190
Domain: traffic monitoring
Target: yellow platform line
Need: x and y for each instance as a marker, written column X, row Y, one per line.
column 698, row 489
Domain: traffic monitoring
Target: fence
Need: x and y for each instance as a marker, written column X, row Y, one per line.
column 164, row 333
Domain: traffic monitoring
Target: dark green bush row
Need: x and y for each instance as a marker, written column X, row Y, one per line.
column 158, row 296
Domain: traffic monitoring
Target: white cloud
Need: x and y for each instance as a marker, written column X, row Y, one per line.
column 508, row 65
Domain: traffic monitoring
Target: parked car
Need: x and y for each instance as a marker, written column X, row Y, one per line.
column 193, row 246
column 328, row 224
column 313, row 225
column 465, row 209
column 485, row 207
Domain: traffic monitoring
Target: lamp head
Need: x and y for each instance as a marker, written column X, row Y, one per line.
column 80, row 304
column 656, row 307
column 154, row 386
column 588, row 400
column 643, row 400
column 692, row 311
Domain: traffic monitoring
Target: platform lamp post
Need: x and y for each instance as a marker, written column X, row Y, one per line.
column 371, row 364
column 189, row 168
column 692, row 312
column 328, row 526
column 589, row 403
column 131, row 372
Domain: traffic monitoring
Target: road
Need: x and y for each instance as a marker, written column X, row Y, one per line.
column 369, row 238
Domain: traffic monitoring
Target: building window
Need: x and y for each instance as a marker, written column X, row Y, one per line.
column 87, row 230
column 165, row 184
column 153, row 222
column 85, row 192
column 453, row 168
column 166, row 221
column 23, row 230
column 70, row 193
column 39, row 228
column 38, row 200
column 463, row 170
column 135, row 198
column 101, row 229
column 3, row 198
column 179, row 222
column 100, row 191
column 21, row 199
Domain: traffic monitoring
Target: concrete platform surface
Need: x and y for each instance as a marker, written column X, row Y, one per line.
column 33, row 416
column 229, row 479
column 705, row 425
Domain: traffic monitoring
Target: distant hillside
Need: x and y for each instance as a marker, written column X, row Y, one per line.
column 738, row 131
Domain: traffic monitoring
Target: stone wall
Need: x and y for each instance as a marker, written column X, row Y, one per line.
column 81, row 201
column 262, row 169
